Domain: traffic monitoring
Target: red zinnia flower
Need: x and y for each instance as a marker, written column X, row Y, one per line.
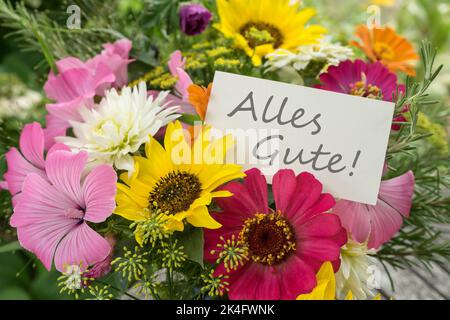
column 274, row 254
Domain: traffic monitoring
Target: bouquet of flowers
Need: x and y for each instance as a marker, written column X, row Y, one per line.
column 102, row 187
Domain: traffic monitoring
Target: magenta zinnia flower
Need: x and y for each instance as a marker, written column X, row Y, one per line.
column 52, row 213
column 371, row 80
column 377, row 224
column 278, row 251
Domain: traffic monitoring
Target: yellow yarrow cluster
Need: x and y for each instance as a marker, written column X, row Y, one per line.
column 438, row 138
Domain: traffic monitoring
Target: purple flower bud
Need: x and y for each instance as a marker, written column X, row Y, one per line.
column 194, row 19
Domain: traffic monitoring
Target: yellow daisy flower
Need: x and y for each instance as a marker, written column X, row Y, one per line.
column 259, row 27
column 178, row 180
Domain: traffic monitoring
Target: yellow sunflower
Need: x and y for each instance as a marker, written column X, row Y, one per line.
column 178, row 180
column 260, row 26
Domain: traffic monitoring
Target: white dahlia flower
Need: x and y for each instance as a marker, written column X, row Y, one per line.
column 122, row 122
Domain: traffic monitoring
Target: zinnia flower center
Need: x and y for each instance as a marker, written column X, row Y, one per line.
column 259, row 33
column 363, row 89
column 269, row 237
column 175, row 192
column 383, row 51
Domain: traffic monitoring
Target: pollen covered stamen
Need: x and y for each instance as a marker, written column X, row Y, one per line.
column 259, row 33
column 175, row 192
column 363, row 89
column 269, row 237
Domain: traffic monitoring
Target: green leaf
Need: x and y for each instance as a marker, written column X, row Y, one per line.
column 192, row 241
column 14, row 293
column 12, row 246
column 190, row 119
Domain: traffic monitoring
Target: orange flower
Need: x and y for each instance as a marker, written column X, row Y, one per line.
column 386, row 46
column 199, row 97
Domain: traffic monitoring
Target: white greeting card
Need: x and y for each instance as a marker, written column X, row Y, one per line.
column 341, row 139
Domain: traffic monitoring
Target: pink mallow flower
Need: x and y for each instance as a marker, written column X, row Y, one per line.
column 176, row 67
column 78, row 82
column 116, row 57
column 378, row 223
column 180, row 97
column 51, row 215
column 30, row 158
column 274, row 254
column 102, row 268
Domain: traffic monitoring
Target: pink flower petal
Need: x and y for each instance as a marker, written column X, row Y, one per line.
column 69, row 63
column 115, row 58
column 81, row 245
column 240, row 204
column 99, row 190
column 67, row 111
column 55, row 127
column 18, row 169
column 243, row 284
column 256, row 185
column 39, row 215
column 42, row 237
column 354, row 218
column 176, row 61
column 319, row 249
column 183, row 83
column 283, row 187
column 64, row 171
column 325, row 225
column 176, row 67
column 297, row 278
column 32, row 144
column 39, row 200
column 70, row 85
column 379, row 223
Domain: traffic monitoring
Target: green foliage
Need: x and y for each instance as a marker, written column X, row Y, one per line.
column 419, row 242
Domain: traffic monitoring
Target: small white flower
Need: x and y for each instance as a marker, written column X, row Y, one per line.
column 356, row 271
column 72, row 278
column 330, row 54
column 122, row 122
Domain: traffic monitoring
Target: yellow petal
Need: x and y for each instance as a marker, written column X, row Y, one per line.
column 125, row 193
column 221, row 194
column 318, row 292
column 326, row 285
column 139, row 236
column 201, row 218
column 349, row 295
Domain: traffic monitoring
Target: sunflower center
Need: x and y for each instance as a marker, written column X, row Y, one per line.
column 175, row 192
column 363, row 89
column 383, row 51
column 269, row 237
column 259, row 33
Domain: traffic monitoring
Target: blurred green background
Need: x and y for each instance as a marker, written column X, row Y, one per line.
column 22, row 75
